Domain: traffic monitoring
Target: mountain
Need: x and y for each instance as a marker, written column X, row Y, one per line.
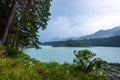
column 113, row 41
column 103, row 33
column 99, row 34
column 110, row 37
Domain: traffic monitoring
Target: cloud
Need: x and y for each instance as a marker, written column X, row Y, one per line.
column 81, row 17
column 84, row 7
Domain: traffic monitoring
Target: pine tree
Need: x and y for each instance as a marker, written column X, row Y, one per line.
column 28, row 17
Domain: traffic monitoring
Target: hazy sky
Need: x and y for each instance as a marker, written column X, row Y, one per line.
column 72, row 18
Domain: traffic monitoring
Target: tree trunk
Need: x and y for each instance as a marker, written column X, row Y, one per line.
column 9, row 20
column 15, row 40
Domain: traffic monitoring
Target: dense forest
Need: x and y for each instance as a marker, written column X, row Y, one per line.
column 110, row 41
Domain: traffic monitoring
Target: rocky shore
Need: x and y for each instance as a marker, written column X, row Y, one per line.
column 113, row 71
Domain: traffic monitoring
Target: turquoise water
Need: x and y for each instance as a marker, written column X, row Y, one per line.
column 65, row 54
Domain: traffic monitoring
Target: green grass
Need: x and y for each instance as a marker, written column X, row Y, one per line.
column 23, row 67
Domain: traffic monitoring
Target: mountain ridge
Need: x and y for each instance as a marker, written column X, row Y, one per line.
column 98, row 34
column 103, row 33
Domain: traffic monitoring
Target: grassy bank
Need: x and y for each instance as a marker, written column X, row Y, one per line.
column 23, row 67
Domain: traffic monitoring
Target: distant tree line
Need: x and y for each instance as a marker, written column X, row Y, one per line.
column 110, row 41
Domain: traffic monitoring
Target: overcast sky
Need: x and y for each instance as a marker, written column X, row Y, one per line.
column 75, row 18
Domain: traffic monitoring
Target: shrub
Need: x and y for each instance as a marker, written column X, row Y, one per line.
column 86, row 62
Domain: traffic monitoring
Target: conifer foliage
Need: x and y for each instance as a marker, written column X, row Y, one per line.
column 20, row 21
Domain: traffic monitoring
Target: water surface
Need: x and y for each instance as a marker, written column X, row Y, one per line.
column 65, row 54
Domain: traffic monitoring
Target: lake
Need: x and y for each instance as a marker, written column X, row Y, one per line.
column 65, row 54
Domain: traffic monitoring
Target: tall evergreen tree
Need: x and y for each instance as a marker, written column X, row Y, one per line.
column 27, row 17
column 9, row 20
column 4, row 12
